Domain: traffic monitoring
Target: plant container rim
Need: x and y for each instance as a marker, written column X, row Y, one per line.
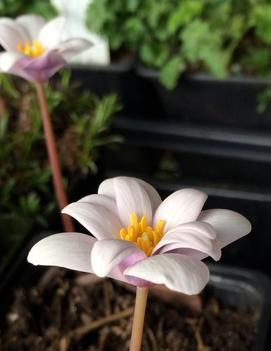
column 116, row 67
column 201, row 76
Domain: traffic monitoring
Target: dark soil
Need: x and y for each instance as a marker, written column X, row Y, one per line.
column 70, row 312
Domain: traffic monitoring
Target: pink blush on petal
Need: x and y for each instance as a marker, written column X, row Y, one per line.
column 42, row 68
column 130, row 261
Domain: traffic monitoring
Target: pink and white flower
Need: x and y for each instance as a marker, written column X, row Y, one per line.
column 34, row 49
column 141, row 240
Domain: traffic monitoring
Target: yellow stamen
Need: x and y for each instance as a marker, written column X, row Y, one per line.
column 142, row 234
column 143, row 223
column 34, row 49
column 123, row 233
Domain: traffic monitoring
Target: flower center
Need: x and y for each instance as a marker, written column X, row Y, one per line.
column 142, row 234
column 33, row 49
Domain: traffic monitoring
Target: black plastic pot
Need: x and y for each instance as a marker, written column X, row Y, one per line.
column 245, row 290
column 213, row 153
column 116, row 78
column 203, row 99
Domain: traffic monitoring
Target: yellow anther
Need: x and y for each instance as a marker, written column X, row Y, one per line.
column 160, row 226
column 134, row 222
column 34, row 49
column 131, row 233
column 142, row 234
column 27, row 49
column 150, row 235
column 123, row 233
column 149, row 251
column 143, row 224
column 156, row 238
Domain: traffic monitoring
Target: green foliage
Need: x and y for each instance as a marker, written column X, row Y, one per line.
column 170, row 72
column 220, row 37
column 261, row 20
column 81, row 122
column 264, row 99
column 13, row 8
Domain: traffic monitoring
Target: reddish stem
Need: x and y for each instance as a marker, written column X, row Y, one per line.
column 53, row 157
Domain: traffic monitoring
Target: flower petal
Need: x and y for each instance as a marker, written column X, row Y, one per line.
column 40, row 69
column 131, row 197
column 189, row 239
column 116, row 273
column 101, row 200
column 204, row 229
column 11, row 34
column 107, row 188
column 98, row 220
column 32, row 24
column 229, row 225
column 50, row 34
column 180, row 207
column 177, row 272
column 8, row 60
column 153, row 194
column 68, row 250
column 72, row 47
column 107, row 254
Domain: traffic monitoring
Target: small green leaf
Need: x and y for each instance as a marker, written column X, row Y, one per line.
column 170, row 73
column 183, row 14
column 264, row 99
column 261, row 20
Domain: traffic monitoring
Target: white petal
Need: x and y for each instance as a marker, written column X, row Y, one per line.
column 204, row 229
column 107, row 254
column 11, row 34
column 32, row 24
column 188, row 239
column 229, row 225
column 98, row 220
column 50, row 34
column 101, row 200
column 68, row 250
column 177, row 272
column 72, row 47
column 131, row 197
column 107, row 188
column 153, row 194
column 8, row 60
column 180, row 207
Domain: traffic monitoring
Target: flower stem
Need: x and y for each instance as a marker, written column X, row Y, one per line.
column 139, row 315
column 53, row 157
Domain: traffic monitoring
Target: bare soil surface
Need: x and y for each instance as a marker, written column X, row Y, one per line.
column 69, row 312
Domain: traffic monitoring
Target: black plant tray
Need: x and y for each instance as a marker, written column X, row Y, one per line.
column 204, row 140
column 116, row 78
column 202, row 99
column 245, row 290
